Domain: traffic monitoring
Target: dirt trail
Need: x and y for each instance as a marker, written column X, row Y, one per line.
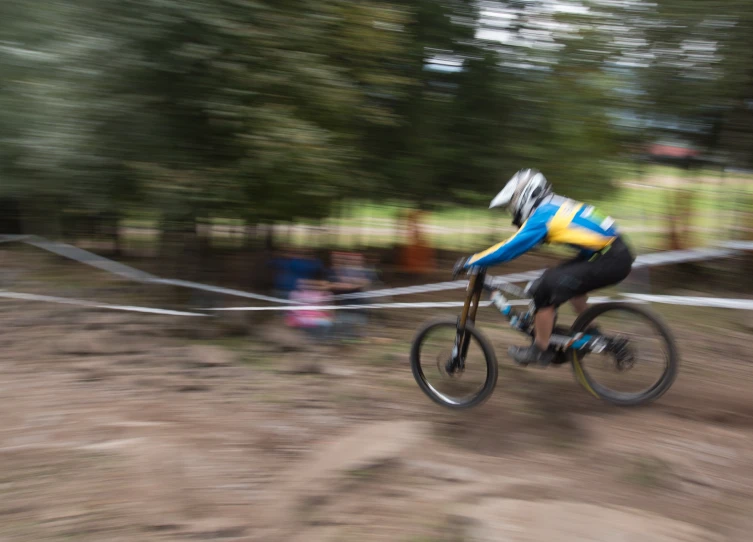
column 113, row 428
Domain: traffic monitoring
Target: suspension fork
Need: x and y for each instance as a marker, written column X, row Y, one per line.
column 470, row 308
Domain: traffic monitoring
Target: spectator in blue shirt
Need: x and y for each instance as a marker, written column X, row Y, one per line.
column 294, row 265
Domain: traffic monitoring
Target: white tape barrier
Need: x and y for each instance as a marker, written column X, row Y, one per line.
column 738, row 245
column 88, row 258
column 168, row 312
column 220, row 290
column 406, row 290
column 646, row 260
column 90, row 304
column 436, row 287
column 418, row 305
column 740, row 304
column 371, row 306
column 100, row 262
column 131, row 308
column 14, row 238
column 117, row 268
column 681, row 256
column 697, row 301
column 688, row 301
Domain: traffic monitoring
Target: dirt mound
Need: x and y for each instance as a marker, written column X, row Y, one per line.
column 511, row 520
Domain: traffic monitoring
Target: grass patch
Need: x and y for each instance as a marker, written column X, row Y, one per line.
column 640, row 200
column 361, row 474
column 245, row 351
column 258, row 360
column 390, row 355
column 384, row 359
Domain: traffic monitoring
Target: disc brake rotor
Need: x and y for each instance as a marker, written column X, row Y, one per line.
column 624, row 354
column 444, row 359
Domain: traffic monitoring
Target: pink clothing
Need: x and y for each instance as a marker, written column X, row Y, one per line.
column 309, row 318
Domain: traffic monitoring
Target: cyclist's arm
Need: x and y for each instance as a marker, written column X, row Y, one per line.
column 532, row 233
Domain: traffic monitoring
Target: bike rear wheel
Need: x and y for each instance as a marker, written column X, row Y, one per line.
column 432, row 348
column 639, row 367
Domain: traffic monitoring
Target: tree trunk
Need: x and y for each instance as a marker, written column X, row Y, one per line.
column 685, row 216
column 10, row 216
column 325, row 235
column 343, row 237
column 179, row 245
column 679, row 216
column 112, row 232
column 41, row 216
column 252, row 234
column 204, row 241
column 365, row 236
column 269, row 237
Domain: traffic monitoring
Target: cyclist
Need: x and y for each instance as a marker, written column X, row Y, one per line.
column 542, row 216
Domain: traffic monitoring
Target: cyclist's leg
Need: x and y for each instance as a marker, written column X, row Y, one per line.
column 543, row 324
column 547, row 296
column 572, row 280
column 579, row 303
column 557, row 286
column 537, row 353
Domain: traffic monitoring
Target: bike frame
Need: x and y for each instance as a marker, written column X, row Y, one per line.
column 477, row 283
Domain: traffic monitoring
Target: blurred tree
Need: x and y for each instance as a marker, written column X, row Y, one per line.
column 273, row 111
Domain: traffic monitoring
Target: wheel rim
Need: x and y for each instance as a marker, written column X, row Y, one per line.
column 637, row 373
column 457, row 389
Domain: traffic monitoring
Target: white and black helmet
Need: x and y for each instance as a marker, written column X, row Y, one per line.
column 522, row 194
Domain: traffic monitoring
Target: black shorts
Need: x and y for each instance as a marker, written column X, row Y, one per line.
column 583, row 274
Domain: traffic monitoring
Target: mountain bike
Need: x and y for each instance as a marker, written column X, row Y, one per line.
column 620, row 338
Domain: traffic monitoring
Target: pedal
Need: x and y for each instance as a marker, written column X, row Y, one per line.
column 560, row 358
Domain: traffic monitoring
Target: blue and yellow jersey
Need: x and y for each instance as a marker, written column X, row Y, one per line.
column 557, row 220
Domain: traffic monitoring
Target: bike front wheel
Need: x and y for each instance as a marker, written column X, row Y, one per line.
column 431, row 352
column 639, row 365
